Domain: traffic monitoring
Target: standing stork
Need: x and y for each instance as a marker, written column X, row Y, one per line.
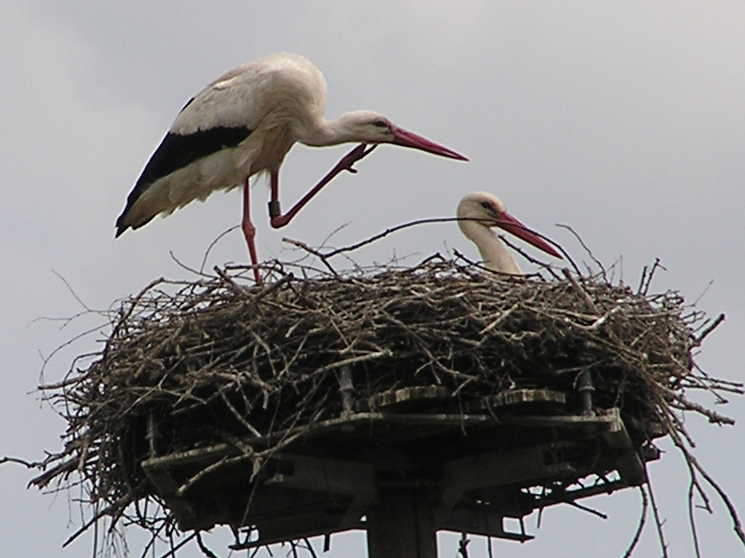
column 244, row 123
column 477, row 212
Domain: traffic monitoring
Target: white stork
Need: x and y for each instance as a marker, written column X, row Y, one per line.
column 244, row 123
column 477, row 212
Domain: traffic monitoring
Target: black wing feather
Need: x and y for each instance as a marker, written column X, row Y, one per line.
column 177, row 151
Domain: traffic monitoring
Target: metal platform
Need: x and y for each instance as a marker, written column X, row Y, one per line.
column 382, row 470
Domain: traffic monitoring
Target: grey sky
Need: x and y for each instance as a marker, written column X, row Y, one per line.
column 624, row 120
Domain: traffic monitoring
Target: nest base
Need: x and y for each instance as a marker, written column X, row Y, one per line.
column 466, row 472
column 309, row 406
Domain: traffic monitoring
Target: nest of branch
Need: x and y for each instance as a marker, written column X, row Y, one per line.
column 216, row 360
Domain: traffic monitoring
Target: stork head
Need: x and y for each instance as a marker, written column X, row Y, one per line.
column 366, row 126
column 489, row 211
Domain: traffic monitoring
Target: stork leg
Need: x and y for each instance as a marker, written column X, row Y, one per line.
column 345, row 164
column 249, row 232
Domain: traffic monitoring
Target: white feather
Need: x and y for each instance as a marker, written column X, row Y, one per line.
column 276, row 86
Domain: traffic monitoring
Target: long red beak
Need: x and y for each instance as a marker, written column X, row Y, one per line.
column 515, row 227
column 410, row 139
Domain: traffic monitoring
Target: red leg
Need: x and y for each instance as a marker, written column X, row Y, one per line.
column 346, row 164
column 249, row 232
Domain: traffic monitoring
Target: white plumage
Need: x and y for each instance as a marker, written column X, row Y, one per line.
column 244, row 123
column 477, row 212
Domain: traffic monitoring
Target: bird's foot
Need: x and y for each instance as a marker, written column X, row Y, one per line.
column 357, row 154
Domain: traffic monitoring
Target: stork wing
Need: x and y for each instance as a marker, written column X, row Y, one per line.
column 282, row 83
column 228, row 110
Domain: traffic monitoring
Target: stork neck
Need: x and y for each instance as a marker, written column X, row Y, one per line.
column 328, row 132
column 493, row 253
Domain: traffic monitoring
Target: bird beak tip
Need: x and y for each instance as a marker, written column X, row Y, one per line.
column 410, row 139
column 457, row 156
column 515, row 227
column 449, row 153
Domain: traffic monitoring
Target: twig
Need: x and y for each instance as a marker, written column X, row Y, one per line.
column 108, row 510
column 206, row 551
column 19, row 461
column 527, row 256
column 182, row 265
column 715, row 324
column 354, row 360
column 212, row 245
column 225, row 460
column 581, row 292
column 323, row 257
column 640, row 527
column 587, row 249
column 175, row 548
column 703, row 293
column 647, row 276
column 691, row 516
column 587, row 509
column 73, row 293
column 658, row 522
column 238, row 416
column 713, row 416
column 463, row 543
column 388, row 231
column 310, row 548
column 235, row 287
column 736, row 524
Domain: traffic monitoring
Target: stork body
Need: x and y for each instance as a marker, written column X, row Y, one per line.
column 244, row 123
column 477, row 213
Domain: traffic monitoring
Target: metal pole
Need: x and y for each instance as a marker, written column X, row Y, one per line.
column 401, row 525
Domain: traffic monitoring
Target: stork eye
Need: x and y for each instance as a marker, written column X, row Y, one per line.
column 486, row 205
column 380, row 124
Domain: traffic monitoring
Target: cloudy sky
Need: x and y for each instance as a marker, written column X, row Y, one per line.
column 624, row 120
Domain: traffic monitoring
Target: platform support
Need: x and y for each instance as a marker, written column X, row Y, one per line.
column 401, row 524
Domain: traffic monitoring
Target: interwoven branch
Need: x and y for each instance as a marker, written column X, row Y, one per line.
column 220, row 360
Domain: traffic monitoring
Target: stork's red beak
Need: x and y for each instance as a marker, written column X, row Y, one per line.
column 515, row 227
column 410, row 139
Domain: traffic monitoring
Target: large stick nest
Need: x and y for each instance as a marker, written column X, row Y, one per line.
column 217, row 359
